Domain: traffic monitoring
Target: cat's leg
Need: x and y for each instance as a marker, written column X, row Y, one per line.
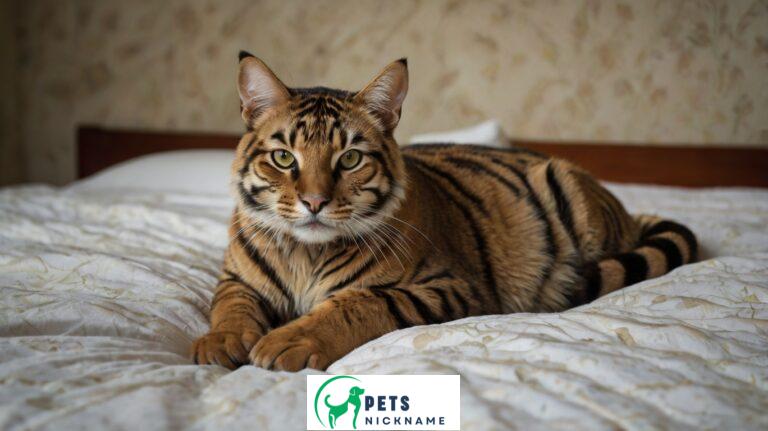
column 352, row 317
column 240, row 316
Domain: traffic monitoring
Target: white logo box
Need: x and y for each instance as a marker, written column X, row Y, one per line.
column 393, row 402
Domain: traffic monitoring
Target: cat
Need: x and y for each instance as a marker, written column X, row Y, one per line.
column 340, row 236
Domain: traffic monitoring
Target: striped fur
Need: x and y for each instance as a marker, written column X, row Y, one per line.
column 323, row 258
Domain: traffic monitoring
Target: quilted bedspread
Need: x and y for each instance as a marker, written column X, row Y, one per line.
column 103, row 293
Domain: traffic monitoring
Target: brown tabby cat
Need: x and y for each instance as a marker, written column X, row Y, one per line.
column 340, row 236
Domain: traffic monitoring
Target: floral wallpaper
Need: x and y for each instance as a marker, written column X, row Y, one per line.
column 642, row 71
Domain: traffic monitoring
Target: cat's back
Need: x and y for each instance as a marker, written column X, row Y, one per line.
column 478, row 193
column 472, row 156
column 487, row 208
column 473, row 169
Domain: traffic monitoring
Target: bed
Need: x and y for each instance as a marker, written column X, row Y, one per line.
column 106, row 283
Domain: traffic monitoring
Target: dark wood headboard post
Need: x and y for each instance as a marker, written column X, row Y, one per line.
column 678, row 165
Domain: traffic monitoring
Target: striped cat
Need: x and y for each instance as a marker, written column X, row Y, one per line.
column 340, row 236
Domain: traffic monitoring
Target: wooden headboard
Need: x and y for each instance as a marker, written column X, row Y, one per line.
column 692, row 166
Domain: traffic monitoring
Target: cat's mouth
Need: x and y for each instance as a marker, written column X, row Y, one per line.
column 314, row 224
column 314, row 230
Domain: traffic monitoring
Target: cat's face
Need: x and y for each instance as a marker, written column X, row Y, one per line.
column 319, row 164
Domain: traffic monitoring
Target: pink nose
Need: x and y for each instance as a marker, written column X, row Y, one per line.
column 314, row 203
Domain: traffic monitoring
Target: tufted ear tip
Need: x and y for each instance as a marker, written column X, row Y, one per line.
column 244, row 54
column 385, row 94
column 259, row 88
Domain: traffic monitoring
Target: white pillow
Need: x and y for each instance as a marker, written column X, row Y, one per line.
column 486, row 133
column 197, row 171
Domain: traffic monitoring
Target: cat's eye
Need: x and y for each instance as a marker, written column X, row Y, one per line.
column 350, row 159
column 283, row 159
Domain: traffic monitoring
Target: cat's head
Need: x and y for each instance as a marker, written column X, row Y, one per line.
column 319, row 164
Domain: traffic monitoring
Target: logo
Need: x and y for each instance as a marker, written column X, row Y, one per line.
column 339, row 410
column 399, row 402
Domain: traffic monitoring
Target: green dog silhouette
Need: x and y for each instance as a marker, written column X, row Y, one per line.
column 336, row 412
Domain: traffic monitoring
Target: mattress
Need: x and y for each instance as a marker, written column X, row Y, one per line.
column 103, row 292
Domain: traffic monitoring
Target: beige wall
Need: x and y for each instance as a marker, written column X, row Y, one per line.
column 640, row 71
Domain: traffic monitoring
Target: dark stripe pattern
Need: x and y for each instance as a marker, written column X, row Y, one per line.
column 480, row 168
column 563, row 205
column 488, row 275
column 422, row 309
column 353, row 277
column 668, row 247
column 445, row 304
column 339, row 266
column 453, row 182
column 550, row 247
column 400, row 320
column 442, row 275
column 670, row 226
column 590, row 290
column 269, row 312
column 635, row 267
column 264, row 267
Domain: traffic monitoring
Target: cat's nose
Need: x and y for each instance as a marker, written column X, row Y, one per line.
column 314, row 203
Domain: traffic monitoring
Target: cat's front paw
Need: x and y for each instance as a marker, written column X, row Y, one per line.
column 289, row 348
column 225, row 348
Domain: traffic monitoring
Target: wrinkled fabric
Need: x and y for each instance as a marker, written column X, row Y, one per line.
column 104, row 292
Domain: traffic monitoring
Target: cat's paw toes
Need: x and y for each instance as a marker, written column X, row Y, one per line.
column 284, row 349
column 228, row 349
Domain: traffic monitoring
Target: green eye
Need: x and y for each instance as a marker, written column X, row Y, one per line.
column 350, row 159
column 283, row 159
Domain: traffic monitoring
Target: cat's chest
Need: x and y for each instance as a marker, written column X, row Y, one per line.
column 303, row 279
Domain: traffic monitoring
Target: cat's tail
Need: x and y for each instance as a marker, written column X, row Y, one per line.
column 664, row 245
column 327, row 404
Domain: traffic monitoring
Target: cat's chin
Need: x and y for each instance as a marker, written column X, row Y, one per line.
column 315, row 234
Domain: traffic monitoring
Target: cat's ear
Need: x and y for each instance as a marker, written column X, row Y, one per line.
column 383, row 97
column 258, row 86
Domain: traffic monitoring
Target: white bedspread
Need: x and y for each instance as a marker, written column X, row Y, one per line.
column 102, row 294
